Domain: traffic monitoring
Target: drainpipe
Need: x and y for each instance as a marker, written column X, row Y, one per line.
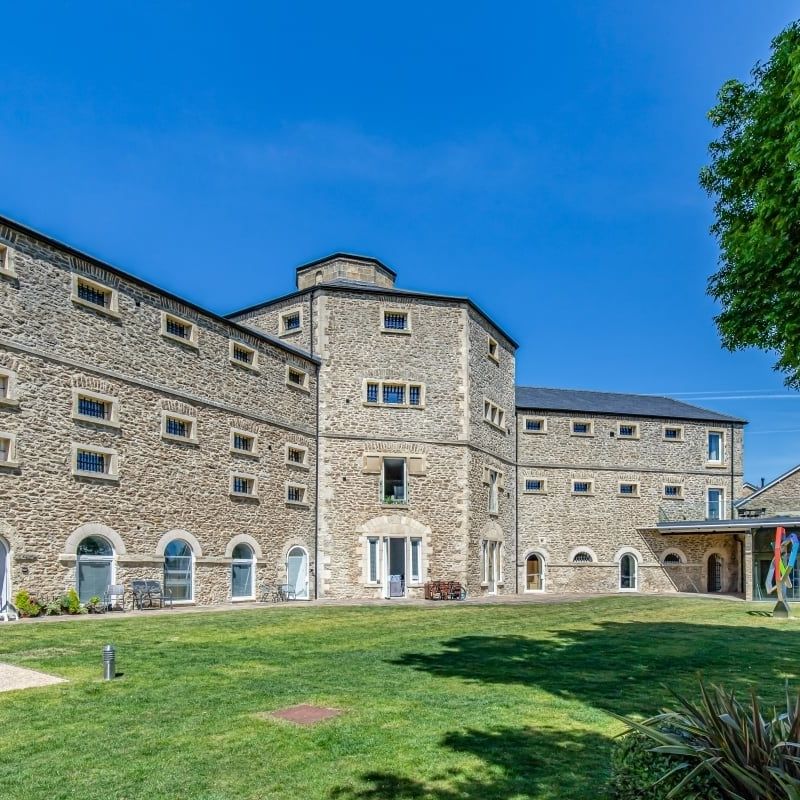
column 316, row 451
column 733, row 452
column 516, row 503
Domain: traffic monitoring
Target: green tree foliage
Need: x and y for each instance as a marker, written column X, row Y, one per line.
column 754, row 176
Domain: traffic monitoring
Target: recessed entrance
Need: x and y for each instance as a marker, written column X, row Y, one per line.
column 714, row 573
column 396, row 560
column 297, row 572
column 534, row 573
column 94, row 567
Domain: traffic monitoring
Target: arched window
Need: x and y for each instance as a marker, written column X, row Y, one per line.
column 582, row 557
column 5, row 578
column 94, row 568
column 297, row 572
column 672, row 559
column 628, row 569
column 179, row 570
column 242, row 568
column 534, row 573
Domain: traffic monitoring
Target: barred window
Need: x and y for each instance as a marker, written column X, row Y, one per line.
column 414, row 395
column 534, row 485
column 242, row 354
column 372, row 392
column 582, row 427
column 291, row 322
column 581, row 487
column 242, row 442
column 4, row 383
column 177, row 427
column 628, row 431
column 395, row 320
column 242, row 485
column 91, row 294
column 295, row 494
column 672, row 558
column 630, row 489
column 5, row 449
column 673, row 490
column 582, row 557
column 296, row 377
column 88, row 407
column 394, row 394
column 91, row 462
column 175, row 328
column 534, row 424
column 296, row 456
column 673, row 433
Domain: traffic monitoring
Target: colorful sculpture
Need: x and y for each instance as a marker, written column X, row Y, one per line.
column 780, row 571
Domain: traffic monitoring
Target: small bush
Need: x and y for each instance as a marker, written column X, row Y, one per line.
column 52, row 609
column 26, row 605
column 94, row 606
column 637, row 772
column 70, row 602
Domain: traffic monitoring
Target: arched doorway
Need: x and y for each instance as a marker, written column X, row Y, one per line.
column 179, row 570
column 95, row 567
column 628, row 568
column 242, row 568
column 714, row 573
column 534, row 573
column 5, row 577
column 297, row 572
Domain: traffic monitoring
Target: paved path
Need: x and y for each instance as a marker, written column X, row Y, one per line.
column 12, row 678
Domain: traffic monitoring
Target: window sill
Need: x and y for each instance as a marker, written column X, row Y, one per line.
column 581, row 494
column 9, row 402
column 246, row 453
column 493, row 359
column 95, row 476
column 244, row 365
column 242, row 496
column 292, row 332
column 295, row 465
column 298, row 387
column 627, row 438
column 399, row 331
column 583, row 435
column 629, row 496
column 10, row 274
column 297, row 504
column 493, row 513
column 535, row 494
column 673, row 441
column 105, row 423
column 534, row 433
column 171, row 337
column 109, row 312
column 9, row 465
column 393, row 405
column 168, row 437
column 394, row 505
column 668, row 497
column 716, row 465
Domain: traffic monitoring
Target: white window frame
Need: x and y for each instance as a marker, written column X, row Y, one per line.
column 382, row 478
column 301, row 387
column 290, row 312
column 542, row 420
column 192, row 341
column 578, row 421
column 679, row 428
column 247, row 476
column 111, row 310
column 493, row 505
column 112, row 472
column 635, row 587
column 236, row 344
column 7, row 266
column 407, row 386
column 11, row 397
column 112, row 422
column 394, row 310
column 12, row 461
column 492, row 349
column 572, row 483
column 526, row 490
column 720, row 462
column 303, row 503
column 415, row 578
column 722, row 508
column 679, row 496
column 171, row 437
column 636, row 491
column 634, row 425
column 490, row 406
column 253, row 562
column 250, row 435
column 373, row 560
column 296, row 464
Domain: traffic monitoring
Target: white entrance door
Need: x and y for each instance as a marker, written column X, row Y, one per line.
column 5, row 588
column 297, row 572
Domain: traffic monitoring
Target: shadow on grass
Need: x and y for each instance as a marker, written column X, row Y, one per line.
column 511, row 763
column 621, row 667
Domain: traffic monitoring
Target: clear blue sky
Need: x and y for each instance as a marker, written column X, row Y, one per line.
column 541, row 157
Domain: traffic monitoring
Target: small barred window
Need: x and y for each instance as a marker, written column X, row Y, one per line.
column 395, row 320
column 91, row 294
column 91, row 462
column 582, row 557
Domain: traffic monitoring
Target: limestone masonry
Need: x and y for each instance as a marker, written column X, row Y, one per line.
column 348, row 440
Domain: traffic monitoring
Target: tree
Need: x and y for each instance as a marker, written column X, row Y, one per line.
column 754, row 176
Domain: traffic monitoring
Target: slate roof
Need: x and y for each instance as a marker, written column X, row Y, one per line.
column 633, row 405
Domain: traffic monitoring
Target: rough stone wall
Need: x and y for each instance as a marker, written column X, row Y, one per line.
column 55, row 345
column 782, row 498
column 351, row 269
column 268, row 319
column 556, row 524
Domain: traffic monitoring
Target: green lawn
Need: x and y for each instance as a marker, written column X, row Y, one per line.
column 447, row 702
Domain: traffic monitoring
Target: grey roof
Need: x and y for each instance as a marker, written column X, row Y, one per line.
column 632, row 405
column 728, row 525
column 769, row 485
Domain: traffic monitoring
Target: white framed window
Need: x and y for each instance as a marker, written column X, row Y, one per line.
column 628, row 489
column 97, row 296
column 672, row 433
column 627, row 430
column 582, row 486
column 296, row 455
column 290, row 322
column 494, row 415
column 581, row 427
column 89, row 461
column 244, row 442
column 393, row 394
column 243, row 484
column 8, row 449
column 535, row 486
column 177, row 329
column 491, row 564
column 178, row 427
column 296, row 494
column 242, row 355
column 416, row 560
column 243, row 562
column 628, row 573
column 494, row 481
column 297, row 378
column 672, row 491
column 179, row 570
column 394, row 481
column 582, row 557
column 99, row 409
column 493, row 349
column 715, row 454
column 8, row 388
column 395, row 320
column 7, row 268
column 534, row 424
column 715, row 502
column 372, row 560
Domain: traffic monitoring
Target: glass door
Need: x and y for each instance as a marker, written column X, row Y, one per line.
column 297, row 572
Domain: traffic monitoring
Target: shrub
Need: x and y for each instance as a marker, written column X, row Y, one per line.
column 52, row 609
column 70, row 602
column 749, row 752
column 638, row 773
column 26, row 605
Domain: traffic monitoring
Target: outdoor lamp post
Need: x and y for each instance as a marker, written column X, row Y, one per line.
column 109, row 662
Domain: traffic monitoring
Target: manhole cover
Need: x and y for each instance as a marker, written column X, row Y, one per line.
column 304, row 714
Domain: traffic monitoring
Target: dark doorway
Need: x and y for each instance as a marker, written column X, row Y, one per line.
column 714, row 573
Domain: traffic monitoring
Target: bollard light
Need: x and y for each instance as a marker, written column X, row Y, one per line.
column 109, row 663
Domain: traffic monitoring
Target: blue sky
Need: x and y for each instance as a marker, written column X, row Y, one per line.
column 541, row 157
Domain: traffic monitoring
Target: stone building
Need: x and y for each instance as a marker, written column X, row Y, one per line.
column 351, row 439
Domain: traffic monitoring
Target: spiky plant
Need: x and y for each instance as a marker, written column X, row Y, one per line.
column 749, row 756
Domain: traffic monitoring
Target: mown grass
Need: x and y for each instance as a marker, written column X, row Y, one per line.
column 440, row 703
